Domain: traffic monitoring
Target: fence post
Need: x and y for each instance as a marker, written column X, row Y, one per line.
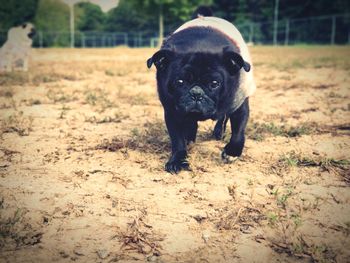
column 71, row 22
column 251, row 33
column 40, row 34
column 333, row 30
column 94, row 42
column 286, row 37
column 140, row 39
column 126, row 39
column 275, row 23
column 82, row 40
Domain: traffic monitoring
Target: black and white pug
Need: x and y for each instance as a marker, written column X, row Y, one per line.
column 15, row 52
column 204, row 71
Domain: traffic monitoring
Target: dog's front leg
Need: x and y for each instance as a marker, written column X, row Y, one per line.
column 8, row 63
column 25, row 64
column 178, row 160
column 238, row 119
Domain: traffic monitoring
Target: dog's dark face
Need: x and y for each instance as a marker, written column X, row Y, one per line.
column 195, row 82
column 200, row 86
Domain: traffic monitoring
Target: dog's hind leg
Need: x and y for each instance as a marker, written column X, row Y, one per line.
column 238, row 120
column 220, row 127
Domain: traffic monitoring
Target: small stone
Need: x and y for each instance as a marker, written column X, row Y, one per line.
column 102, row 253
column 64, row 254
column 199, row 218
column 152, row 258
column 78, row 251
column 205, row 236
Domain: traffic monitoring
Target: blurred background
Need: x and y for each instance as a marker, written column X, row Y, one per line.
column 136, row 23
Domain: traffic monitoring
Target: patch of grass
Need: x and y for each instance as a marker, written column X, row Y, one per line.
column 15, row 232
column 259, row 131
column 58, row 95
column 298, row 131
column 240, row 218
column 91, row 99
column 296, row 219
column 295, row 245
column 152, row 139
column 293, row 159
column 109, row 72
column 47, row 77
column 116, row 118
column 272, row 218
column 7, row 93
column 17, row 123
column 99, row 98
column 139, row 99
column 32, row 102
column 290, row 159
column 13, row 78
column 282, row 198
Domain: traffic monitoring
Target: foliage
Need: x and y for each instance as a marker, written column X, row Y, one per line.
column 53, row 16
column 90, row 17
column 13, row 12
column 126, row 18
column 133, row 16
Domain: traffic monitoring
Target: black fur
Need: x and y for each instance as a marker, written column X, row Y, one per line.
column 32, row 33
column 197, row 78
column 202, row 11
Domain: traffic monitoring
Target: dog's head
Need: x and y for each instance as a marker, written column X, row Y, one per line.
column 198, row 85
column 28, row 30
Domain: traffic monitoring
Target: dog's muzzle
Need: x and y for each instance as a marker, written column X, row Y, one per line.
column 32, row 33
column 197, row 94
column 196, row 104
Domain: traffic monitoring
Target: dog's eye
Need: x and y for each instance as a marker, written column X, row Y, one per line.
column 179, row 83
column 214, row 84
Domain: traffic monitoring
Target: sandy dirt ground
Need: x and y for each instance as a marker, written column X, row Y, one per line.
column 83, row 147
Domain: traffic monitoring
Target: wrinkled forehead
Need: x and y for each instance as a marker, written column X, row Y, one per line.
column 199, row 65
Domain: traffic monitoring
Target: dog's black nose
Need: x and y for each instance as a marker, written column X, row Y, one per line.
column 197, row 93
column 32, row 33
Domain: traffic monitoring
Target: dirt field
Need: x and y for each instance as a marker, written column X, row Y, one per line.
column 83, row 146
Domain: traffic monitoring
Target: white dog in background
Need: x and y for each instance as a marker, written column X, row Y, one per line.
column 14, row 54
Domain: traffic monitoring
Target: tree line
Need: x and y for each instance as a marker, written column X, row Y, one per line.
column 148, row 16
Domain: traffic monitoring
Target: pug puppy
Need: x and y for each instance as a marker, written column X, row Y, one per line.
column 14, row 54
column 204, row 71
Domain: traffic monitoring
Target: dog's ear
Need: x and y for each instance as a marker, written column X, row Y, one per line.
column 24, row 25
column 160, row 59
column 234, row 62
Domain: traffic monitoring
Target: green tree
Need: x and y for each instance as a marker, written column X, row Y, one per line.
column 52, row 18
column 160, row 8
column 14, row 12
column 89, row 17
column 125, row 18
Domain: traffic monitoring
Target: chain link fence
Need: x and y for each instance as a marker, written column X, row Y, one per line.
column 333, row 29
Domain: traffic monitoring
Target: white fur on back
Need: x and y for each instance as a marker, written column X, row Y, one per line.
column 247, row 84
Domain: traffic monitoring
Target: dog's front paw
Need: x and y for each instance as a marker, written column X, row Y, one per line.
column 232, row 151
column 177, row 162
column 227, row 158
